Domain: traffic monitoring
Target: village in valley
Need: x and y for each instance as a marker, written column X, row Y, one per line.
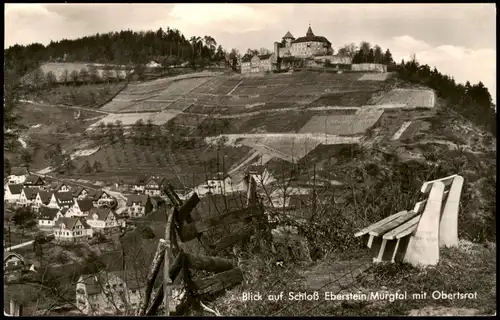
column 146, row 173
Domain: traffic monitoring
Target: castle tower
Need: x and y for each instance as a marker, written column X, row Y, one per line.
column 309, row 32
column 288, row 37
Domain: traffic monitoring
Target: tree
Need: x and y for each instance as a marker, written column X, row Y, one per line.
column 38, row 79
column 119, row 131
column 129, row 68
column 67, row 164
column 84, row 75
column 148, row 131
column 139, row 71
column 378, row 55
column 65, row 77
column 93, row 74
column 264, row 51
column 74, row 76
column 97, row 167
column 24, row 218
column 26, row 156
column 86, row 168
column 110, row 132
column 51, row 79
column 107, row 74
column 349, row 50
column 137, row 131
column 388, row 57
column 211, row 44
column 101, row 131
column 11, row 127
column 219, row 54
column 252, row 52
column 234, row 56
column 371, row 56
column 364, row 50
column 196, row 45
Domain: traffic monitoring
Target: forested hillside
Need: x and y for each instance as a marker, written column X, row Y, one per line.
column 168, row 47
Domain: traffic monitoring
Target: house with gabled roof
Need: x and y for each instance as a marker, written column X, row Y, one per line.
column 219, row 183
column 108, row 292
column 42, row 199
column 61, row 200
column 47, row 217
column 13, row 262
column 261, row 175
column 258, row 63
column 12, row 192
column 80, row 193
column 103, row 220
column 99, row 197
column 27, row 197
column 80, row 208
column 61, row 187
column 154, row 186
column 72, row 229
column 18, row 175
column 140, row 184
column 139, row 205
column 34, row 181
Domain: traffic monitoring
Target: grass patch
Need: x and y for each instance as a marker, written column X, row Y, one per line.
column 470, row 269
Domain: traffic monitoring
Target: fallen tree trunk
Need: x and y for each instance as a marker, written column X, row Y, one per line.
column 211, row 264
column 218, row 282
column 233, row 238
column 192, row 230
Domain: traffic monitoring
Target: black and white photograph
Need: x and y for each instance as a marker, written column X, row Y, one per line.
column 249, row 159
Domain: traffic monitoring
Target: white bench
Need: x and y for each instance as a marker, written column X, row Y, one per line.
column 415, row 236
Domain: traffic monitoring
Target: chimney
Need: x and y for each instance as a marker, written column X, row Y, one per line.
column 276, row 49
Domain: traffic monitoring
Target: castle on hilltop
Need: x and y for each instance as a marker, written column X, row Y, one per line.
column 308, row 51
column 310, row 45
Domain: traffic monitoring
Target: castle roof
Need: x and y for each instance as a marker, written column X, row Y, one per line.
column 310, row 37
column 288, row 35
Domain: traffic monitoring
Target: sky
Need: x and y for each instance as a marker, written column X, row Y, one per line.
column 459, row 39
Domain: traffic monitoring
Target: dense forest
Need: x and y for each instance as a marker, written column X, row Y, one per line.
column 168, row 47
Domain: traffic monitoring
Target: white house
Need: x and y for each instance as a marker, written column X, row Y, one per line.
column 61, row 200
column 27, row 197
column 73, row 229
column 99, row 197
column 61, row 187
column 139, row 185
column 80, row 193
column 42, row 199
column 105, row 292
column 139, row 205
column 18, row 175
column 103, row 220
column 219, row 183
column 154, row 186
column 14, row 262
column 80, row 208
column 12, row 192
column 261, row 175
column 34, row 181
column 48, row 217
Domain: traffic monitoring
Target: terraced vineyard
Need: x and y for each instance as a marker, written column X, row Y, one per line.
column 128, row 160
